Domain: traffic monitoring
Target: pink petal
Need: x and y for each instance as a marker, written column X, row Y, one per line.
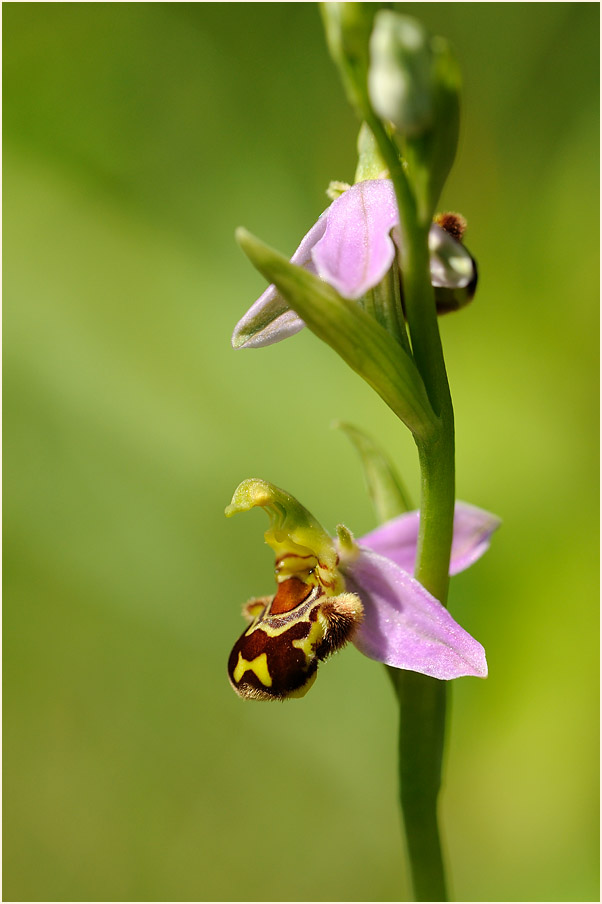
column 405, row 627
column 397, row 539
column 270, row 319
column 356, row 250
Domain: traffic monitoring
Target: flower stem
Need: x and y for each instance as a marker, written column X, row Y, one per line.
column 422, row 700
column 422, row 705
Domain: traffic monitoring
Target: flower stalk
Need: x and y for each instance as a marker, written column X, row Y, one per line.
column 422, row 700
column 422, row 706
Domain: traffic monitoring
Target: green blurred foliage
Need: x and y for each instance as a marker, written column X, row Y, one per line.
column 137, row 136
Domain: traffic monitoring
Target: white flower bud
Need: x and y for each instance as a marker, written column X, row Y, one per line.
column 400, row 78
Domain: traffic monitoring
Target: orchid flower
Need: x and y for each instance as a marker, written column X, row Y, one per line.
column 332, row 591
column 353, row 245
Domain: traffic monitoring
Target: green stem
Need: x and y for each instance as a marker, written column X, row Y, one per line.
column 422, row 700
column 422, row 706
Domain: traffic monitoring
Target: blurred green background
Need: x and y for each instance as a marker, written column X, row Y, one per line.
column 137, row 137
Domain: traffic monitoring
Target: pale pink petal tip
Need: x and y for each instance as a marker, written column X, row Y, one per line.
column 405, row 627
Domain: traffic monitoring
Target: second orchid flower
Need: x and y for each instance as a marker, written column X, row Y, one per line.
column 331, row 591
column 353, row 245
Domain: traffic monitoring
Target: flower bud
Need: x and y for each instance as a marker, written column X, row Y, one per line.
column 414, row 84
column 400, row 79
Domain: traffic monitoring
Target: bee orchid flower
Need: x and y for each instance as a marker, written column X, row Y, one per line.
column 332, row 591
column 353, row 245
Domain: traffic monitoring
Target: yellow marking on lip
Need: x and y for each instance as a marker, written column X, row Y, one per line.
column 308, row 644
column 301, row 691
column 268, row 629
column 289, row 618
column 259, row 665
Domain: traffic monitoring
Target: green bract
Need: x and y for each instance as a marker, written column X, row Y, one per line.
column 362, row 342
column 389, row 496
column 370, row 163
